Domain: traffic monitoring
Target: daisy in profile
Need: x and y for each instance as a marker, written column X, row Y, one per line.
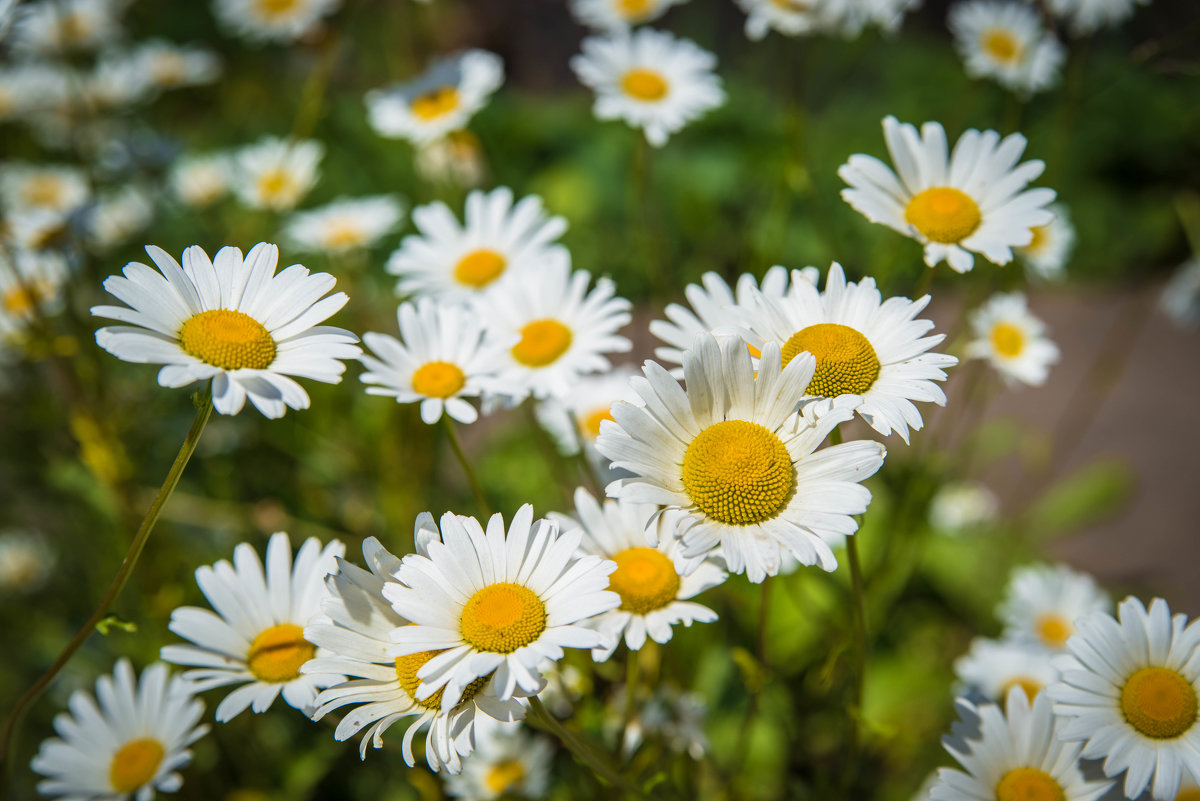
column 506, row 762
column 562, row 329
column 497, row 238
column 650, row 79
column 53, row 188
column 118, row 215
column 171, row 66
column 787, row 17
column 731, row 453
column 1085, row 17
column 574, row 419
column 1012, row 340
column 497, row 602
column 872, row 349
column 972, row 200
column 1128, row 692
column 655, row 593
column 232, row 320
column 344, row 224
column 276, row 173
column 443, row 357
column 440, row 101
column 272, row 20
column 993, row 667
column 619, row 15
column 1042, row 603
column 29, row 88
column 129, row 745
column 53, row 26
column 1047, row 254
column 963, row 507
column 255, row 637
column 1018, row 755
column 201, row 180
column 355, row 637
column 455, row 159
column 1005, row 40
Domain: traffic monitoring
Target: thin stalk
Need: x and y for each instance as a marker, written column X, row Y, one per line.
column 472, row 479
column 631, row 681
column 541, row 718
column 12, row 724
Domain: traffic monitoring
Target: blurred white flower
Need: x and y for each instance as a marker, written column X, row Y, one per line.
column 169, row 65
column 1085, row 17
column 961, row 507
column 1012, row 340
column 51, row 26
column 1006, row 41
column 1047, row 254
column 344, row 224
column 276, row 173
column 617, row 15
column 201, row 180
column 456, row 159
column 272, row 20
column 25, row 562
column 507, row 762
column 116, row 216
column 57, row 188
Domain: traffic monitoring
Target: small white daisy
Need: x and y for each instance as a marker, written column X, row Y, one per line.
column 29, row 88
column 497, row 602
column 1042, row 603
column 574, row 419
column 1018, row 755
column 1085, row 17
column 55, row 188
column 272, row 20
column 676, row 717
column 1046, row 256
column 52, row 26
column 276, row 173
column 232, row 320
column 788, row 17
column 117, row 81
column 506, row 763
column 171, row 65
column 973, row 200
column 129, row 745
column 654, row 594
column 344, row 224
column 30, row 284
column 1129, row 693
column 26, row 562
column 497, row 240
column 732, row 453
column 118, row 215
column 455, row 159
column 1005, row 40
column 650, row 79
column 1012, row 340
column 256, row 637
column 993, row 667
column 963, row 506
column 619, row 15
column 441, row 100
column 201, row 180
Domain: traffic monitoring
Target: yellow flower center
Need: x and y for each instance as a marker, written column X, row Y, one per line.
column 590, row 424
column 943, row 214
column 435, row 103
column 504, row 775
column 43, row 191
column 846, row 362
column 17, row 301
column 1190, row 794
column 1028, row 784
column 135, row 764
column 1000, row 44
column 277, row 653
column 74, row 29
column 276, row 185
column 276, row 8
column 438, row 379
column 645, row 579
column 793, row 6
column 738, row 473
column 343, row 234
column 1054, row 630
column 479, row 268
column 644, row 84
column 1030, row 686
column 231, row 340
column 1041, row 236
column 542, row 342
column 1159, row 703
column 1007, row 340
column 406, row 672
column 168, row 69
column 503, row 617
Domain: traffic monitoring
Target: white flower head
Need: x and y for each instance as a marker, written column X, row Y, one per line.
column 993, row 667
column 171, row 66
column 277, row 173
column 116, row 216
column 344, row 224
column 30, row 284
column 619, row 15
column 1046, row 256
column 202, row 179
column 272, row 20
column 54, row 188
column 1085, row 17
column 962, row 507
column 456, row 159
column 27, row 89
column 507, row 762
column 54, row 26
column 574, row 419
column 1006, row 41
column 25, row 562
column 1012, row 340
column 1042, row 603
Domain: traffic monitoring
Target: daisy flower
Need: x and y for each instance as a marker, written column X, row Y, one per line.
column 497, row 602
column 272, row 20
column 574, row 419
column 26, row 89
column 201, row 180
column 619, row 15
column 1129, row 693
column 562, row 330
column 506, row 762
column 30, row 284
column 52, row 26
column 1042, row 602
column 276, row 173
column 788, row 17
column 1018, row 755
column 344, row 224
column 231, row 320
column 52, row 188
column 654, row 594
column 1006, row 41
column 171, row 66
column 129, row 745
column 356, row 641
column 973, row 200
column 25, row 562
column 256, row 636
column 993, row 667
column 496, row 240
column 445, row 355
column 117, row 80
column 1012, row 340
column 1047, row 254
column 734, row 456
column 455, row 159
column 650, row 79
column 118, row 215
column 962, row 507
column 873, row 350
column 440, row 101
column 1085, row 17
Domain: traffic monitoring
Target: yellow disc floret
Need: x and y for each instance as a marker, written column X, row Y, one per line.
column 645, row 579
column 1030, row 686
column 276, row 8
column 503, row 617
column 277, row 187
column 277, row 653
column 943, row 214
column 231, row 340
column 644, row 84
column 406, row 673
column 438, row 379
column 1001, row 45
column 1053, row 630
column 1007, row 339
column 135, row 764
column 479, row 268
column 503, row 775
column 432, row 105
column 590, row 423
column 1028, row 784
column 1159, row 703
column 846, row 361
column 542, row 343
column 738, row 473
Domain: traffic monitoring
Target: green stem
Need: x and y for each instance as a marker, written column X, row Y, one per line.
column 7, row 742
column 631, row 680
column 472, row 479
column 541, row 718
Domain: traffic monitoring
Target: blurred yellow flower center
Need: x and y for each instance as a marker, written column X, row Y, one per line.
column 943, row 214
column 846, row 362
column 231, row 340
column 344, row 234
column 1190, row 794
column 406, row 672
column 276, row 8
column 1007, row 339
column 479, row 268
column 634, row 9
column 504, row 775
column 276, row 185
column 17, row 301
column 503, row 617
column 1041, row 235
column 1054, row 630
column 645, row 579
column 74, row 29
column 135, row 764
column 277, row 654
column 542, row 342
column 1028, row 784
column 168, row 69
column 644, row 84
column 43, row 190
column 438, row 379
column 738, row 473
column 1030, row 686
column 436, row 103
column 591, row 423
column 1159, row 703
column 1001, row 45
column 794, row 6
